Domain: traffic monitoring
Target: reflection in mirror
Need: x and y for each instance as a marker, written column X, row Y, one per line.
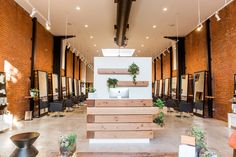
column 43, row 88
column 70, row 86
column 234, row 85
column 155, row 88
column 166, row 87
column 63, row 85
column 55, row 91
column 76, row 87
column 184, row 87
column 199, row 81
column 174, row 87
column 79, row 87
column 160, row 88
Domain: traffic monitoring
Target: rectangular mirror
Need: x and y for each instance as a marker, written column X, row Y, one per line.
column 160, row 88
column 174, row 88
column 70, row 86
column 43, row 86
column 63, row 87
column 184, row 87
column 76, row 87
column 55, row 86
column 3, row 92
column 166, row 87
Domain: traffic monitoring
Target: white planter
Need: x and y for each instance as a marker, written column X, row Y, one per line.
column 91, row 95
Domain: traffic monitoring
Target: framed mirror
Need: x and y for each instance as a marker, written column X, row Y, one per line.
column 199, row 92
column 184, row 87
column 155, row 88
column 63, row 87
column 3, row 91
column 43, row 92
column 166, row 88
column 70, row 85
column 234, row 85
column 79, row 87
column 76, row 87
column 174, row 88
column 55, row 90
column 160, row 88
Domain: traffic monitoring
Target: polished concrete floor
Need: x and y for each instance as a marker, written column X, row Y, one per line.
column 166, row 140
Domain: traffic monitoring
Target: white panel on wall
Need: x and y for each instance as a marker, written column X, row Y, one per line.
column 63, row 48
column 145, row 74
column 43, row 89
column 174, row 59
column 75, row 87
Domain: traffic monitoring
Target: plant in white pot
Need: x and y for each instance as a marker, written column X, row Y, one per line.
column 112, row 83
column 68, row 145
column 34, row 93
column 91, row 92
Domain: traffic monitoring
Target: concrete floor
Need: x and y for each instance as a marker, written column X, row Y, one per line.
column 166, row 140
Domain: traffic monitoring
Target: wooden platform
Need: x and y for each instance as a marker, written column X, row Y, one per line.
column 131, row 84
column 118, row 154
column 114, row 71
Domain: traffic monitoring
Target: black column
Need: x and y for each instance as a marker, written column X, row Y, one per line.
column 209, row 78
column 171, row 69
column 161, row 56
column 33, row 51
column 155, row 67
column 73, row 74
column 79, row 69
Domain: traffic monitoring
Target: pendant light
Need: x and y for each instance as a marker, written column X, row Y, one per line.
column 199, row 28
column 48, row 22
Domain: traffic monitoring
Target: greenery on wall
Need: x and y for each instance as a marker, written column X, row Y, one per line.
column 112, row 83
column 133, row 70
column 160, row 117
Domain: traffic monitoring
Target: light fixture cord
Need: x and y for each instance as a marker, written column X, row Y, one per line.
column 199, row 13
column 49, row 11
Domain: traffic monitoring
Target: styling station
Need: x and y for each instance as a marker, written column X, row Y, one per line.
column 122, row 113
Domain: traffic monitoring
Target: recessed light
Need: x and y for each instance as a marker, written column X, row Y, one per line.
column 97, row 51
column 147, row 37
column 142, row 45
column 77, row 8
column 94, row 45
column 139, row 50
column 86, row 26
column 165, row 9
column 154, row 26
column 91, row 37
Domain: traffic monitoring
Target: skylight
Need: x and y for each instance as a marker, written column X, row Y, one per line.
column 118, row 52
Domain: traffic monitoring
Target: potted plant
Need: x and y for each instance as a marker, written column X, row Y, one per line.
column 68, row 145
column 133, row 70
column 112, row 83
column 160, row 117
column 91, row 92
column 34, row 93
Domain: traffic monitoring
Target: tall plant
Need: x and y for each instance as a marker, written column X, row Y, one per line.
column 133, row 70
column 112, row 83
column 161, row 116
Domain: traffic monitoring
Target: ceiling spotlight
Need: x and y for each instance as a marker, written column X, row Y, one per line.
column 94, row 45
column 33, row 12
column 68, row 45
column 77, row 8
column 48, row 25
column 97, row 51
column 217, row 16
column 165, row 9
column 147, row 37
column 74, row 50
column 199, row 28
column 168, row 51
column 142, row 45
column 86, row 26
column 91, row 37
column 154, row 26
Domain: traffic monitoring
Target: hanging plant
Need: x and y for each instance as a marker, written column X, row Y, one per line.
column 34, row 93
column 160, row 117
column 133, row 70
column 112, row 83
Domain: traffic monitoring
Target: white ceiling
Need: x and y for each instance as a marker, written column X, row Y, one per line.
column 100, row 16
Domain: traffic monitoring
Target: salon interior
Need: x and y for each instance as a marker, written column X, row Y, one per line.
column 109, row 78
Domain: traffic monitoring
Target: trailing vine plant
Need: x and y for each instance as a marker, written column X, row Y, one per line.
column 133, row 70
column 160, row 117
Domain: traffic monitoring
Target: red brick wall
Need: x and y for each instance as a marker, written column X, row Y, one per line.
column 15, row 50
column 166, row 66
column 158, row 69
column 196, row 51
column 224, row 59
column 44, row 50
column 69, row 64
column 76, row 68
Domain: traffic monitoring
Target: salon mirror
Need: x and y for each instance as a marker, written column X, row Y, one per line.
column 63, row 87
column 184, row 87
column 70, row 86
column 160, row 88
column 55, row 91
column 166, row 87
column 76, row 87
column 173, row 88
column 199, row 88
column 43, row 86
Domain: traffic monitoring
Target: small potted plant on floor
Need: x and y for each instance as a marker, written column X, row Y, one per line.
column 160, row 116
column 34, row 93
column 91, row 92
column 68, row 145
column 133, row 70
column 112, row 83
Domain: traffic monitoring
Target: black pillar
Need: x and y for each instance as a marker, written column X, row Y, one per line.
column 155, row 67
column 33, row 51
column 73, row 74
column 209, row 78
column 79, row 69
column 161, row 56
column 171, row 69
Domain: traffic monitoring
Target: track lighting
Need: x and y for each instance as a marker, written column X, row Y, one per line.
column 74, row 50
column 68, row 45
column 217, row 16
column 199, row 28
column 33, row 12
column 48, row 25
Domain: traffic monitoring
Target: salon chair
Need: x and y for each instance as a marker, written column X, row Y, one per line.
column 185, row 107
column 69, row 104
column 170, row 104
column 58, row 107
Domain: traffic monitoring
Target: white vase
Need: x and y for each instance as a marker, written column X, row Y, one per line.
column 91, row 95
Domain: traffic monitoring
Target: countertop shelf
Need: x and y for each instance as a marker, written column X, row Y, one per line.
column 131, row 84
column 113, row 71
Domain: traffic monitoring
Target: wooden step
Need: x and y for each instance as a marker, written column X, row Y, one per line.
column 123, row 102
column 131, row 84
column 121, row 126
column 119, row 134
column 113, row 71
column 122, row 110
column 119, row 118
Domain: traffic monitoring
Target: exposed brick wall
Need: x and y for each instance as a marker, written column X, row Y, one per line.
column 196, row 51
column 158, row 69
column 15, row 50
column 69, row 64
column 223, row 59
column 76, row 68
column 166, row 66
column 44, row 50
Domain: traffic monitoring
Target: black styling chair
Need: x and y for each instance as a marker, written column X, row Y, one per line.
column 185, row 107
column 58, row 107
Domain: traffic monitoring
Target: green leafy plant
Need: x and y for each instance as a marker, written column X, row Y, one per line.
column 133, row 70
column 91, row 90
column 34, row 92
column 199, row 135
column 112, row 83
column 68, row 141
column 161, row 116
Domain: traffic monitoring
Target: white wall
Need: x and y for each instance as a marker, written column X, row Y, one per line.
column 145, row 74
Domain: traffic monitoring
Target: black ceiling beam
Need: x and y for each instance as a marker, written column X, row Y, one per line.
column 173, row 38
column 65, row 36
column 122, row 18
